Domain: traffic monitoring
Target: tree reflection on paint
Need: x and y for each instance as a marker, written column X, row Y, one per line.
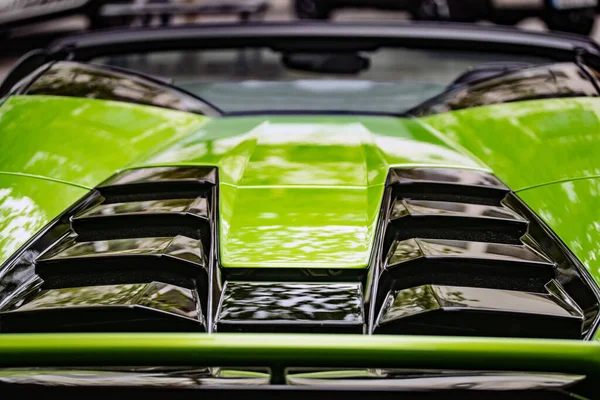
column 246, row 301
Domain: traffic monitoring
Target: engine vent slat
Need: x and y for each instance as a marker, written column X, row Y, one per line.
column 178, row 260
column 468, row 311
column 154, row 306
column 448, row 220
column 416, row 262
column 159, row 184
column 291, row 307
column 155, row 218
column 452, row 185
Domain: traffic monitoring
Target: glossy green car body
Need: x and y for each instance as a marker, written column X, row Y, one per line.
column 331, row 169
column 300, row 191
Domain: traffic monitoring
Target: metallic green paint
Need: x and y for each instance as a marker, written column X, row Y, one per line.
column 257, row 350
column 572, row 210
column 299, row 190
column 305, row 191
column 27, row 205
column 84, row 141
column 529, row 143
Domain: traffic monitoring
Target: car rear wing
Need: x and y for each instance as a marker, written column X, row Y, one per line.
column 283, row 355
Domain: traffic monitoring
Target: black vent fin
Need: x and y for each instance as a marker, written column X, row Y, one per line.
column 468, row 311
column 452, row 220
column 158, row 184
column 153, row 306
column 149, row 218
column 440, row 184
column 179, row 260
column 416, row 262
column 461, row 255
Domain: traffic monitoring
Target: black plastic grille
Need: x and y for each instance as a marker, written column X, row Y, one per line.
column 456, row 253
column 135, row 257
column 459, row 257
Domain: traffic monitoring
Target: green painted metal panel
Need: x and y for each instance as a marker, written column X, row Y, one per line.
column 84, row 141
column 27, row 204
column 529, row 143
column 572, row 210
column 299, row 190
column 305, row 191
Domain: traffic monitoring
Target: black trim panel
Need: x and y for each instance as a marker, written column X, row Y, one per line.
column 291, row 307
column 469, row 311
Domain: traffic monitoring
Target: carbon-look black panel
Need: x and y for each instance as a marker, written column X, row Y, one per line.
column 158, row 184
column 189, row 217
column 178, row 260
column 468, row 311
column 448, row 220
column 439, row 184
column 460, row 255
column 135, row 307
column 291, row 307
column 456, row 253
column 141, row 226
column 416, row 262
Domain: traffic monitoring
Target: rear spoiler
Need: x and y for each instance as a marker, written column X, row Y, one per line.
column 283, row 353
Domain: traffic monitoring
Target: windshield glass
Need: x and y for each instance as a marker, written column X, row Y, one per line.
column 256, row 79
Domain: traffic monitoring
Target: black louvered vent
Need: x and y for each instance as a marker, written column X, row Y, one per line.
column 460, row 255
column 456, row 253
column 134, row 256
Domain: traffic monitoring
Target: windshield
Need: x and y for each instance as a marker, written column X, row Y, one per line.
column 256, row 79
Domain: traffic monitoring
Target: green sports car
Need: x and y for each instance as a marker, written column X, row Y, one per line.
column 328, row 210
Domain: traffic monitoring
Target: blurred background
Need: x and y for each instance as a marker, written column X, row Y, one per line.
column 29, row 24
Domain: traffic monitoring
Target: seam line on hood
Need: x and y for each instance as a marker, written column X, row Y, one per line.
column 45, row 178
column 565, row 180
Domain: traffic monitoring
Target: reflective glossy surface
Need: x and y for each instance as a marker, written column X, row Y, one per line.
column 95, row 82
column 26, row 207
column 85, row 141
column 179, row 247
column 154, row 295
column 572, row 210
column 337, row 351
column 475, row 311
column 179, row 261
column 292, row 307
column 454, row 221
column 116, row 307
column 421, row 207
column 411, row 249
column 416, row 262
column 198, row 206
column 133, row 377
column 423, row 380
column 162, row 175
column 528, row 143
column 450, row 176
column 556, row 80
column 447, row 185
column 267, row 163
